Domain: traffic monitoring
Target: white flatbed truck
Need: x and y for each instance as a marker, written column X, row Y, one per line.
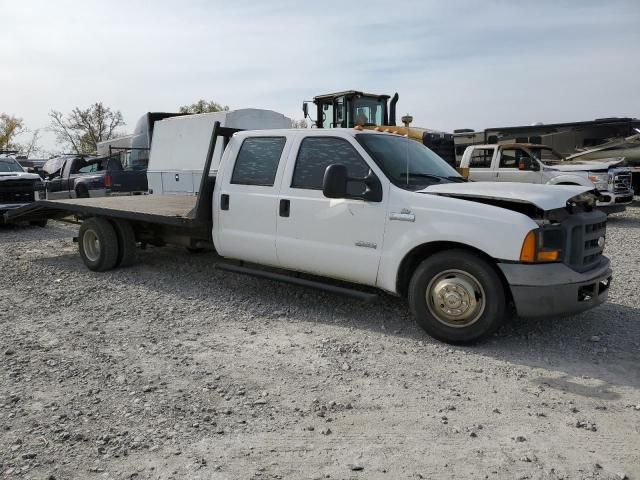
column 371, row 211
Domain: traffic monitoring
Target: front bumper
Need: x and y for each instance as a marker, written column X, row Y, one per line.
column 614, row 201
column 554, row 289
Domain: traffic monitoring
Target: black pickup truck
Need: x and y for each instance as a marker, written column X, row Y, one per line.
column 17, row 187
column 79, row 176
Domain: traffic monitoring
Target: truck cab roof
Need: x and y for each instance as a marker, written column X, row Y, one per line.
column 320, row 132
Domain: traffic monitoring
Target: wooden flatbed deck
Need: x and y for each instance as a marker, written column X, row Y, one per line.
column 176, row 210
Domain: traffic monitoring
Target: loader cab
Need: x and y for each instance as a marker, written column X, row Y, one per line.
column 351, row 108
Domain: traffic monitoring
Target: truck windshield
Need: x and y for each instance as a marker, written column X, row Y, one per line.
column 9, row 165
column 407, row 163
column 547, row 156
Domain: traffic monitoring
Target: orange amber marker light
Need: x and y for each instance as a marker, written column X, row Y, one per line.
column 549, row 256
column 528, row 252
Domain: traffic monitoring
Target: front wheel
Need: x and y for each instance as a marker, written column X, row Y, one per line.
column 457, row 297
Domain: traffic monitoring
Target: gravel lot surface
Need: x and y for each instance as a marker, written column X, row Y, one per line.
column 171, row 369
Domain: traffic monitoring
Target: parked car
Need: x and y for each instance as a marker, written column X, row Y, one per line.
column 372, row 210
column 533, row 163
column 78, row 176
column 17, row 187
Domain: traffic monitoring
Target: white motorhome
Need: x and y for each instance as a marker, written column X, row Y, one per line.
column 187, row 138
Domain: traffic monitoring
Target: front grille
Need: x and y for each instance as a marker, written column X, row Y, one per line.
column 622, row 182
column 584, row 245
column 624, row 199
column 17, row 191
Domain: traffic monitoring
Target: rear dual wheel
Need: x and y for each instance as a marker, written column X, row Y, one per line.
column 104, row 245
column 457, row 297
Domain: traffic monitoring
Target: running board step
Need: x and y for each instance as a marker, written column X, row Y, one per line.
column 364, row 296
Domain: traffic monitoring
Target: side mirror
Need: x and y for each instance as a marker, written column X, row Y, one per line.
column 334, row 183
column 305, row 109
column 336, row 179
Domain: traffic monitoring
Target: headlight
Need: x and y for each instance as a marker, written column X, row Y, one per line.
column 542, row 245
column 600, row 180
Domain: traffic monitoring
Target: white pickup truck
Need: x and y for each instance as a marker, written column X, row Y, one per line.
column 533, row 163
column 346, row 210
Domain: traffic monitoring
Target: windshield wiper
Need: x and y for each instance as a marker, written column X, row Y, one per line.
column 438, row 178
column 456, row 178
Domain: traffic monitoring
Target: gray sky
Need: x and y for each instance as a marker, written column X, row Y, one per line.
column 455, row 64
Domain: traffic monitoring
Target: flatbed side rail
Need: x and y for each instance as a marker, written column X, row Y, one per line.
column 59, row 209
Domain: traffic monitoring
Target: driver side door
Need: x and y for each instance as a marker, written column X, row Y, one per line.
column 339, row 238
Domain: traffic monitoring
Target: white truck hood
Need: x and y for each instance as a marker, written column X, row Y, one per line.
column 545, row 197
column 4, row 176
column 585, row 165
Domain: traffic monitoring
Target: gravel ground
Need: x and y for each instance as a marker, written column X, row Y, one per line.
column 171, row 369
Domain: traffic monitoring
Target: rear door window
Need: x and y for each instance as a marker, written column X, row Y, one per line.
column 481, row 158
column 257, row 161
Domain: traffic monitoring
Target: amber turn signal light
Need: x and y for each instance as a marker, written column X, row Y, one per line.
column 528, row 251
column 531, row 252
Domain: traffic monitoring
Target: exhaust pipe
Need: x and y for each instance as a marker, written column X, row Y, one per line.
column 392, row 109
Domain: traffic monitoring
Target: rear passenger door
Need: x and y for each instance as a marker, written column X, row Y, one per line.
column 481, row 167
column 247, row 202
column 338, row 238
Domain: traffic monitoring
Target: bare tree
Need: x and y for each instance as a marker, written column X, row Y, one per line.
column 82, row 129
column 202, row 106
column 32, row 146
column 10, row 127
column 299, row 123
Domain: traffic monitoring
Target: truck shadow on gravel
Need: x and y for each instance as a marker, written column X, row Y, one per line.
column 601, row 344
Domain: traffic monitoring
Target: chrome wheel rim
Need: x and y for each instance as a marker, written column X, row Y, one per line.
column 455, row 298
column 91, row 245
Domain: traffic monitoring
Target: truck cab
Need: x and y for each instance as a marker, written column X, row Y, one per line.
column 378, row 210
column 534, row 163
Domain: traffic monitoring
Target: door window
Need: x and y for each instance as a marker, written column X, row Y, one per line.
column 88, row 168
column 481, row 158
column 317, row 153
column 510, row 157
column 258, row 161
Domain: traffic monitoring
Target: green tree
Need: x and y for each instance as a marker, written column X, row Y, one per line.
column 10, row 127
column 202, row 106
column 82, row 129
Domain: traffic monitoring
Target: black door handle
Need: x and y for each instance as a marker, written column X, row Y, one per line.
column 285, row 208
column 224, row 202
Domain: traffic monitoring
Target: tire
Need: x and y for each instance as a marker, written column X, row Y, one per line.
column 126, row 243
column 82, row 192
column 98, row 244
column 473, row 301
column 39, row 223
